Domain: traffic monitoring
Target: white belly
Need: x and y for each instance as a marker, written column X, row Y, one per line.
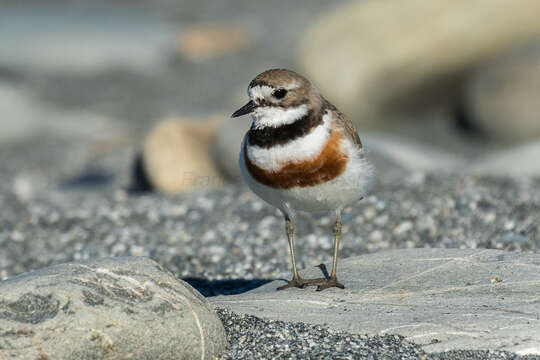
column 347, row 188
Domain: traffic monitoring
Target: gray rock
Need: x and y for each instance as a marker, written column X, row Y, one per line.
column 501, row 98
column 66, row 144
column 443, row 299
column 108, row 309
column 19, row 118
column 408, row 154
column 25, row 116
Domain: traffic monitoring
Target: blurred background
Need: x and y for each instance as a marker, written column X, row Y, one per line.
column 137, row 94
column 107, row 108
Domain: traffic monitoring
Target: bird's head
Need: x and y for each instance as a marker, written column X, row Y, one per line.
column 279, row 97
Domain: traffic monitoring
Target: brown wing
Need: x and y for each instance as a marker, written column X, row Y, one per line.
column 348, row 126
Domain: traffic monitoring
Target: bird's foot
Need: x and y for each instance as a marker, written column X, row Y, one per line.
column 302, row 283
column 328, row 283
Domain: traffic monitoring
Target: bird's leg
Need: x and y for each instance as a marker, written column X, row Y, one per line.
column 332, row 281
column 296, row 281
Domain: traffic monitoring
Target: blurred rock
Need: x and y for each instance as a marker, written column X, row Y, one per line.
column 389, row 152
column 518, row 161
column 19, row 118
column 515, row 239
column 43, row 145
column 108, row 309
column 375, row 59
column 25, row 116
column 200, row 43
column 176, row 156
column 502, row 96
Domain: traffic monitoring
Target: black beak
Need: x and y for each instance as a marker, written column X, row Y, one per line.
column 246, row 109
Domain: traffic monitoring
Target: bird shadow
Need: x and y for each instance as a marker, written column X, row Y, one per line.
column 209, row 288
column 225, row 287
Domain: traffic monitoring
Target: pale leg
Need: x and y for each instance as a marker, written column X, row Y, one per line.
column 332, row 281
column 296, row 281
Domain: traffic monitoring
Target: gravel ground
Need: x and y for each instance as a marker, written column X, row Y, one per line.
column 254, row 338
column 230, row 234
column 228, row 241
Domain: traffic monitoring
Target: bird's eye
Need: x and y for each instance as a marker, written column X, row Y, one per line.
column 279, row 93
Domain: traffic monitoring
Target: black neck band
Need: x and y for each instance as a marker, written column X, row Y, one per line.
column 270, row 136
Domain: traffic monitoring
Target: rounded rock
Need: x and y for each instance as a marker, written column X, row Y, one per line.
column 110, row 308
column 380, row 59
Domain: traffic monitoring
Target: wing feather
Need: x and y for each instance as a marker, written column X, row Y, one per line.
column 348, row 126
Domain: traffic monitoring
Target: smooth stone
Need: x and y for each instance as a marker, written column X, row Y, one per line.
column 379, row 59
column 443, row 299
column 109, row 308
column 200, row 43
column 176, row 156
column 501, row 97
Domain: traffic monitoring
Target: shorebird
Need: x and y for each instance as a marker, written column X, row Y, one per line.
column 301, row 154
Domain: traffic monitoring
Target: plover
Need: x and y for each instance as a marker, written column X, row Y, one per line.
column 301, row 154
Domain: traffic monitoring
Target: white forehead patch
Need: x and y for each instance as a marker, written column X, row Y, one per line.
column 265, row 91
column 274, row 116
column 260, row 91
column 293, row 85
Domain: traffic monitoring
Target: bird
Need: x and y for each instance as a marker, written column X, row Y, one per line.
column 301, row 154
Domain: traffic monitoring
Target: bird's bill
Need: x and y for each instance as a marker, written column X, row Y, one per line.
column 246, row 109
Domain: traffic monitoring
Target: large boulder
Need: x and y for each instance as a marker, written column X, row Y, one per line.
column 379, row 58
column 113, row 308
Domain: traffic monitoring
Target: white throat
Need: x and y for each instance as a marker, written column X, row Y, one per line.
column 273, row 116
